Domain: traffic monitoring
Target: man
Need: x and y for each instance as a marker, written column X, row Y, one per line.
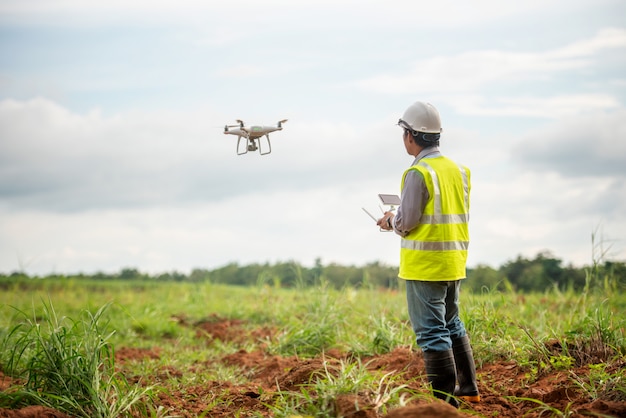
column 432, row 220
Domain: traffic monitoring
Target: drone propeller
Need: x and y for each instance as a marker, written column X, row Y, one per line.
column 280, row 122
column 231, row 126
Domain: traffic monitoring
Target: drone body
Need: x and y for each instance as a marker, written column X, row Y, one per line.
column 253, row 136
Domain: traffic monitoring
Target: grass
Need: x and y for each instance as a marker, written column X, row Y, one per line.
column 67, row 365
column 63, row 352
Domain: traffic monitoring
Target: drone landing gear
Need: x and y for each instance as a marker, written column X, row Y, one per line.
column 269, row 145
column 252, row 145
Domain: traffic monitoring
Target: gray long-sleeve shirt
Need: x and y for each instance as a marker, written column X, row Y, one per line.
column 414, row 196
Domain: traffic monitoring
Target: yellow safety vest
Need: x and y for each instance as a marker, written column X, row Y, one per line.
column 436, row 250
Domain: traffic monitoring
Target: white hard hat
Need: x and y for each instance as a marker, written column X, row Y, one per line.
column 421, row 117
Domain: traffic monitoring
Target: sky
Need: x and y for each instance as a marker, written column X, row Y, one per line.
column 112, row 152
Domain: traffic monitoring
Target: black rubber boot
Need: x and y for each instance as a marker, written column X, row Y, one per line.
column 441, row 373
column 465, row 370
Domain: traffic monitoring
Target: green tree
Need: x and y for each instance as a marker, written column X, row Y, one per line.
column 482, row 277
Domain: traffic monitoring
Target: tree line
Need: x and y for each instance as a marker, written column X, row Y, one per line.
column 538, row 274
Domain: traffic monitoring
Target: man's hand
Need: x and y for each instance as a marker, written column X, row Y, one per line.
column 386, row 222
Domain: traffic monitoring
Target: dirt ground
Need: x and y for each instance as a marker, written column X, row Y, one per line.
column 503, row 385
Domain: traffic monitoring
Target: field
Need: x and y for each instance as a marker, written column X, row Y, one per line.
column 206, row 350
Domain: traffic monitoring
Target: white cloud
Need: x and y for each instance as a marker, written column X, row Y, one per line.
column 53, row 157
column 588, row 145
column 468, row 71
column 525, row 213
column 244, row 71
column 457, row 78
column 608, row 38
column 554, row 107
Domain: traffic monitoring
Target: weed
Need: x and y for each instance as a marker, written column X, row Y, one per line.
column 68, row 365
column 603, row 382
column 597, row 338
column 309, row 339
column 316, row 332
column 386, row 335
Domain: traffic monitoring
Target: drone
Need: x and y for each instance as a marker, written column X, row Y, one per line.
column 253, row 135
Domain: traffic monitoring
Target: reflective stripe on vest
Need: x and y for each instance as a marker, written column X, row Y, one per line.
column 434, row 245
column 444, row 219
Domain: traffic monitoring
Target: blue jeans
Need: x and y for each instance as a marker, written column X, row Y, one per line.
column 434, row 313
